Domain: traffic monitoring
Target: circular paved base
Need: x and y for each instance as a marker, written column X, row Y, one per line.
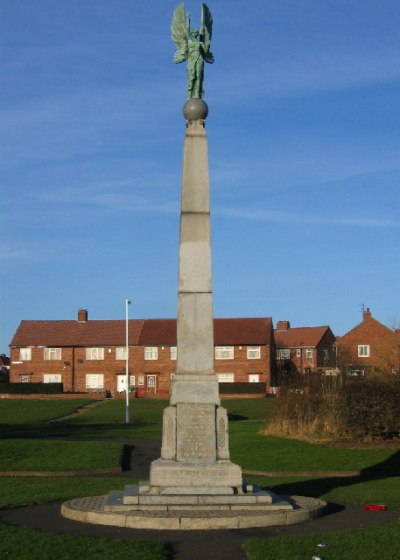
column 91, row 510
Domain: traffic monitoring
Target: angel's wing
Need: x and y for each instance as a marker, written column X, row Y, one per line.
column 180, row 33
column 206, row 31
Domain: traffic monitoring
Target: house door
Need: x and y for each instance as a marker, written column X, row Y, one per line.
column 152, row 383
column 121, row 383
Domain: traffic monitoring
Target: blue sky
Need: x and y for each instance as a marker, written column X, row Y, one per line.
column 303, row 133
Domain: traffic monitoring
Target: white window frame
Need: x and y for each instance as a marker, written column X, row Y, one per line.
column 52, row 378
column 224, row 352
column 364, row 350
column 132, row 380
column 151, row 353
column 254, row 378
column 254, row 352
column 226, row 377
column 120, row 352
column 94, row 381
column 298, row 352
column 95, row 353
column 52, row 354
column 151, row 381
column 25, row 354
column 173, row 353
column 283, row 353
column 309, row 353
column 141, row 380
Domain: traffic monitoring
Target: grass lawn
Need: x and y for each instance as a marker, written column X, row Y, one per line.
column 27, row 411
column 270, row 453
column 20, row 543
column 112, row 411
column 353, row 489
column 30, row 443
column 43, row 455
column 369, row 544
column 23, row 491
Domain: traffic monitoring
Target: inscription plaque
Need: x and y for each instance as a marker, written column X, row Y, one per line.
column 196, row 433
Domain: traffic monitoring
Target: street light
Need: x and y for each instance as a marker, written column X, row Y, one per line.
column 127, row 303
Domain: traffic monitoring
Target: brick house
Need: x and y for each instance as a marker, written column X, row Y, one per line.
column 304, row 349
column 88, row 356
column 370, row 345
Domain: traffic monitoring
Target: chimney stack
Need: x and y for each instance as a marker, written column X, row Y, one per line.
column 283, row 325
column 366, row 313
column 82, row 316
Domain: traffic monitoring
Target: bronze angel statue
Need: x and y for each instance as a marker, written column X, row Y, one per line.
column 193, row 46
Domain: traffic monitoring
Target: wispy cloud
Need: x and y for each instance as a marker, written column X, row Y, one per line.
column 291, row 74
column 11, row 252
column 285, row 217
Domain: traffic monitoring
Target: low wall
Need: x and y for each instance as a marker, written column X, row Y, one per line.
column 93, row 396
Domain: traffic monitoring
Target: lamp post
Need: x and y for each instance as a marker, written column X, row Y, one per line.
column 127, row 303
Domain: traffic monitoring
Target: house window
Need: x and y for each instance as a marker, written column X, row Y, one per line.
column 25, row 377
column 173, row 352
column 283, row 354
column 253, row 352
column 254, row 377
column 151, row 353
column 120, row 353
column 95, row 353
column 309, row 353
column 52, row 378
column 356, row 372
column 52, row 354
column 363, row 351
column 132, row 380
column 224, row 353
column 25, row 354
column 226, row 377
column 94, row 381
column 298, row 352
column 141, row 380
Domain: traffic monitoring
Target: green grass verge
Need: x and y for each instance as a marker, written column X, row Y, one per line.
column 25, row 491
column 112, row 411
column 42, row 455
column 67, row 430
column 353, row 490
column 32, row 411
column 368, row 544
column 269, row 453
column 20, row 543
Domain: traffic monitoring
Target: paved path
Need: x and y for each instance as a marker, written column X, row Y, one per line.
column 198, row 545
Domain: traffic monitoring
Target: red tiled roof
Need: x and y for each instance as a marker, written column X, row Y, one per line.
column 146, row 332
column 72, row 333
column 300, row 336
column 158, row 332
column 257, row 331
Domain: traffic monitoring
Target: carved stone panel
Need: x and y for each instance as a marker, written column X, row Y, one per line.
column 222, row 433
column 168, row 450
column 196, row 433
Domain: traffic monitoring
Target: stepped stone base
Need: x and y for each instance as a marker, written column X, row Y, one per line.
column 144, row 507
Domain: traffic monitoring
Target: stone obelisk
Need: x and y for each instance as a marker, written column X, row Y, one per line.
column 195, row 451
column 193, row 485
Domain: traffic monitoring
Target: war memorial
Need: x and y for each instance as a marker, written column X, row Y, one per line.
column 194, row 484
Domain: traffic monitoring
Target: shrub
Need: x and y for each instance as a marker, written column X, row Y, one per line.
column 241, row 388
column 319, row 407
column 31, row 388
column 370, row 407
